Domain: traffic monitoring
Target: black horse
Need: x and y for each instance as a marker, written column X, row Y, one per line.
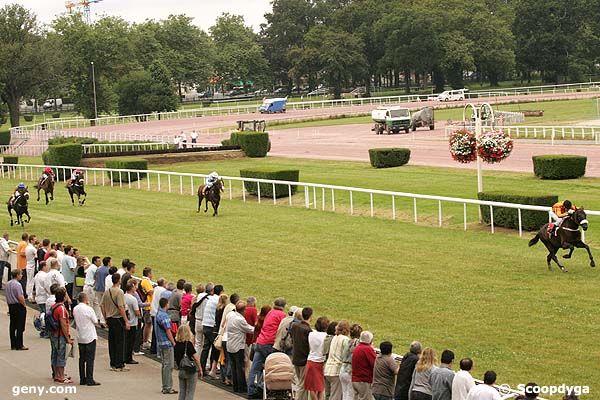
column 77, row 188
column 213, row 195
column 569, row 237
column 20, row 206
column 47, row 185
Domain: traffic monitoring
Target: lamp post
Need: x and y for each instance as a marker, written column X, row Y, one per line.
column 477, row 117
column 94, row 86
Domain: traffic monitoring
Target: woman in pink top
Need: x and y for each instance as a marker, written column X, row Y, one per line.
column 186, row 301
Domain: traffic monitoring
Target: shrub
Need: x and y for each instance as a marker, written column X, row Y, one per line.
column 126, row 163
column 68, row 154
column 226, row 142
column 266, row 189
column 389, row 157
column 28, row 118
column 5, row 138
column 559, row 166
column 10, row 160
column 56, row 115
column 254, row 144
column 72, row 139
column 509, row 217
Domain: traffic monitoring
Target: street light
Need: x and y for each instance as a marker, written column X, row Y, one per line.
column 94, row 85
column 480, row 113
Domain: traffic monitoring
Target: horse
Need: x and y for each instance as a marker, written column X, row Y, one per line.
column 569, row 237
column 20, row 207
column 47, row 185
column 78, row 189
column 213, row 195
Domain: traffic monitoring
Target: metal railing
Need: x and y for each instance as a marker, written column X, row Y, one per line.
column 303, row 105
column 548, row 132
column 32, row 150
column 27, row 132
column 121, row 147
column 314, row 195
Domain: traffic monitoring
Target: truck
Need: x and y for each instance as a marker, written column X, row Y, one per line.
column 270, row 106
column 391, row 120
column 423, row 117
column 54, row 104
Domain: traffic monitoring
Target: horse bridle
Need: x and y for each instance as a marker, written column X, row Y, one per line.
column 579, row 224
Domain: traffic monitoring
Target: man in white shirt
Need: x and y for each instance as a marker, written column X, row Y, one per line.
column 194, row 136
column 41, row 294
column 132, row 308
column 31, row 256
column 208, row 323
column 88, row 285
column 485, row 391
column 154, row 307
column 68, row 266
column 123, row 268
column 86, row 321
column 463, row 381
column 59, row 252
column 5, row 251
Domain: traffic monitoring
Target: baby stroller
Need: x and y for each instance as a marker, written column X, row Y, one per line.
column 278, row 377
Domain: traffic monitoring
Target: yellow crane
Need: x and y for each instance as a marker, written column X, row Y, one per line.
column 72, row 5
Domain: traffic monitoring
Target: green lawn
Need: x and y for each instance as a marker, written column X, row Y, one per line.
column 486, row 297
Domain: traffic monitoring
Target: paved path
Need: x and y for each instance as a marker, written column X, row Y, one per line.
column 32, row 368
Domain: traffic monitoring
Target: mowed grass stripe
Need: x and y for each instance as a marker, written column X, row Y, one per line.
column 485, row 296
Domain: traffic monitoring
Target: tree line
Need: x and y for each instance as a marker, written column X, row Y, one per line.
column 145, row 67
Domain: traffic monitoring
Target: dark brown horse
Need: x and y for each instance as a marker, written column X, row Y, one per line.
column 47, row 185
column 569, row 237
column 20, row 206
column 213, row 195
column 77, row 188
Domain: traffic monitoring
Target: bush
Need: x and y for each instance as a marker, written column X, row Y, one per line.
column 254, row 144
column 559, row 166
column 390, row 157
column 509, row 217
column 28, row 118
column 4, row 138
column 126, row 163
column 71, row 139
column 10, row 160
column 68, row 154
column 55, row 115
column 226, row 142
column 266, row 189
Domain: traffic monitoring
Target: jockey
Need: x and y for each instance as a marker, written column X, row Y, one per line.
column 48, row 173
column 210, row 181
column 20, row 190
column 559, row 212
column 75, row 176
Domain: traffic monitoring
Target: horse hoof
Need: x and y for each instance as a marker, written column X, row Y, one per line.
column 592, row 264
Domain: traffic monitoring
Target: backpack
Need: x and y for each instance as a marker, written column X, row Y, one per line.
column 287, row 343
column 52, row 323
column 142, row 293
column 192, row 314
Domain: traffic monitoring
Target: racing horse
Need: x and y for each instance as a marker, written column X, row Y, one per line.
column 47, row 185
column 213, row 195
column 568, row 237
column 77, row 188
column 20, row 206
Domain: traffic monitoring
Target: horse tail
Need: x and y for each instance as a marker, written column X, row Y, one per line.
column 534, row 241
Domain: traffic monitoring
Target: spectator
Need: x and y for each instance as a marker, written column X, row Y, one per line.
column 52, row 297
column 59, row 248
column 99, row 286
column 208, row 324
column 531, row 391
column 31, row 257
column 314, row 380
column 86, row 321
column 113, row 309
column 407, row 367
column 251, row 317
column 260, row 320
column 125, row 277
column 16, row 309
column 124, row 264
column 301, row 350
column 215, row 354
column 5, row 251
column 89, row 283
column 420, row 386
column 186, row 301
column 165, row 344
column 198, row 309
column 108, row 282
column 264, row 345
column 60, row 337
column 22, row 261
column 229, row 308
column 41, row 294
column 194, row 136
column 363, row 363
column 146, row 292
column 334, row 361
column 68, row 266
column 346, row 370
column 184, row 345
column 570, row 396
column 175, row 302
column 384, row 373
column 331, row 329
column 236, row 329
column 485, row 391
column 283, row 339
column 43, row 250
column 158, row 291
column 82, row 264
column 134, row 313
column 442, row 377
column 463, row 381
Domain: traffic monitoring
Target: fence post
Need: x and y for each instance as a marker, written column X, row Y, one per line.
column 371, row 201
column 139, row 184
column 230, row 191
column 440, row 213
column 129, row 179
column 148, row 181
column 323, row 198
column 111, row 178
column 192, row 185
column 180, row 184
column 290, row 194
column 520, row 223
column 120, row 179
column 258, row 186
column 393, row 207
column 315, row 197
column 244, row 191
column 333, row 200
column 465, row 215
column 492, row 218
column 158, row 175
column 351, row 204
column 169, row 179
column 274, row 194
column 415, row 210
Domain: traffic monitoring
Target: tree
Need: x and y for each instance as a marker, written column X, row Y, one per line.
column 144, row 92
column 27, row 62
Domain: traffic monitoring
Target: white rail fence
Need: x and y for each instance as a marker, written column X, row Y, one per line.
column 31, row 150
column 303, row 105
column 314, row 195
column 549, row 132
column 27, row 133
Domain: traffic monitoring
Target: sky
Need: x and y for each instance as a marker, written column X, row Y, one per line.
column 204, row 12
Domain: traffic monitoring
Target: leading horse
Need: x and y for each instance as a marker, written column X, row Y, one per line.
column 77, row 188
column 213, row 195
column 21, row 208
column 47, row 185
column 568, row 237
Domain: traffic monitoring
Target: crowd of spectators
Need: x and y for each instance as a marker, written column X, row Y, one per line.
column 212, row 334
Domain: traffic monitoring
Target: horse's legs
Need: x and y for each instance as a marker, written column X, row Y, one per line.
column 46, row 193
column 207, row 200
column 11, row 216
column 571, row 250
column 38, row 199
column 549, row 261
column 84, row 197
column 28, row 216
column 52, row 194
column 215, row 207
column 200, row 198
column 556, row 260
column 72, row 199
column 583, row 245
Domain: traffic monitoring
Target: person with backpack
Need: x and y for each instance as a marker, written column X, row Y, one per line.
column 57, row 320
column 283, row 340
column 146, row 293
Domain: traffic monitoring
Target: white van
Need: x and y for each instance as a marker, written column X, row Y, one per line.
column 452, row 95
column 53, row 104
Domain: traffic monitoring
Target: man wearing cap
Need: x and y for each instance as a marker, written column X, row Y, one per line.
column 283, row 339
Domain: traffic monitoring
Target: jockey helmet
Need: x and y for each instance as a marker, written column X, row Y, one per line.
column 21, row 186
column 78, row 171
column 48, row 170
column 568, row 205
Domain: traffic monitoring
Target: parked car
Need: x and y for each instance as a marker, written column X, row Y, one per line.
column 261, row 92
column 452, row 95
column 270, row 106
column 319, row 92
column 280, row 90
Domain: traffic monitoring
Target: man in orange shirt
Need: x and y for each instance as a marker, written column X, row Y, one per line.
column 22, row 259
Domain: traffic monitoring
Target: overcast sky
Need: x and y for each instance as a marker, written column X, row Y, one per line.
column 204, row 12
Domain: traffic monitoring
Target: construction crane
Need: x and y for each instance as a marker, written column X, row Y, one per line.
column 81, row 4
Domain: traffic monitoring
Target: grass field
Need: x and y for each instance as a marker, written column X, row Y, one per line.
column 482, row 295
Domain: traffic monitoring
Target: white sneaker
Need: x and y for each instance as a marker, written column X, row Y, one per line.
column 138, row 353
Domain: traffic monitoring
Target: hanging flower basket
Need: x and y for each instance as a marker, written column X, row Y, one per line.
column 494, row 146
column 463, row 146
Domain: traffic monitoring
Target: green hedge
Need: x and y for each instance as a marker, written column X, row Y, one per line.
column 10, row 160
column 4, row 138
column 266, row 189
column 126, row 163
column 389, row 157
column 254, row 144
column 509, row 217
column 559, row 166
column 68, row 154
column 72, row 139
